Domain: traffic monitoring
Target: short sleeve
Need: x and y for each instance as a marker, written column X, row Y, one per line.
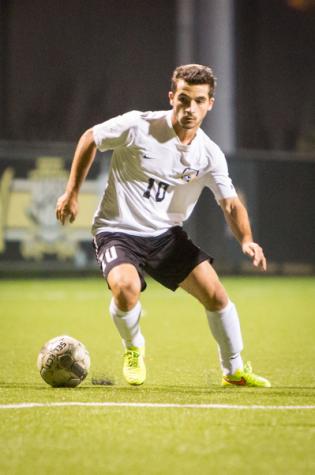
column 116, row 132
column 219, row 180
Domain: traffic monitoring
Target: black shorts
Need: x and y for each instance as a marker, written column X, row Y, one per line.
column 168, row 258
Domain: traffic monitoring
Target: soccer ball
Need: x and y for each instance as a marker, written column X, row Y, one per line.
column 63, row 362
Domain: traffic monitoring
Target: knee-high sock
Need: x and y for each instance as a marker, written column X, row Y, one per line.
column 127, row 323
column 225, row 327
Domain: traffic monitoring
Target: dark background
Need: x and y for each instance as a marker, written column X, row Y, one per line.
column 275, row 75
column 66, row 65
column 73, row 63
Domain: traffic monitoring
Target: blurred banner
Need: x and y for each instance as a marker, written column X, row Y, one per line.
column 31, row 239
column 277, row 188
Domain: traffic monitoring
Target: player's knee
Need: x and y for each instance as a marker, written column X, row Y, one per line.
column 217, row 299
column 215, row 305
column 126, row 292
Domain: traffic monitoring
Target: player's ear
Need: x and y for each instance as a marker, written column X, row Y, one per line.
column 171, row 97
column 211, row 102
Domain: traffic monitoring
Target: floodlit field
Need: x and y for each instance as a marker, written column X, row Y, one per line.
column 223, row 431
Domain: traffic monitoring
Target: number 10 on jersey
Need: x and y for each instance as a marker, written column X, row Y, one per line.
column 161, row 190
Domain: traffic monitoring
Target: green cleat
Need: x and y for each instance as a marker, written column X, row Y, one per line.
column 134, row 368
column 245, row 377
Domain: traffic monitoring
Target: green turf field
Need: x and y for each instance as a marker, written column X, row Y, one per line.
column 278, row 321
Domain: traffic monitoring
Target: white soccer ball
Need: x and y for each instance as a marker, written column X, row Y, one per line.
column 63, row 362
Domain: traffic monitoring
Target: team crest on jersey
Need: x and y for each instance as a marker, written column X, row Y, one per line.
column 189, row 174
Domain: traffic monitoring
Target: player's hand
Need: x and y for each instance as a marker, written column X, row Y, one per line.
column 254, row 251
column 67, row 208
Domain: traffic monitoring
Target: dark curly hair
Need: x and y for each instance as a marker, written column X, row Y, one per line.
column 194, row 74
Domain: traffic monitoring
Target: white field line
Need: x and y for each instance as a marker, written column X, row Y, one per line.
column 26, row 405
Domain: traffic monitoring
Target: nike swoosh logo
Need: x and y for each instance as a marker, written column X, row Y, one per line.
column 240, row 382
column 148, row 157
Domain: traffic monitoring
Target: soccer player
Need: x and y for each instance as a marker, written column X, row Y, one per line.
column 161, row 162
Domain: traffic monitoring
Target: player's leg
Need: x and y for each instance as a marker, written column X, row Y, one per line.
column 125, row 309
column 204, row 284
column 125, row 306
column 121, row 271
column 176, row 261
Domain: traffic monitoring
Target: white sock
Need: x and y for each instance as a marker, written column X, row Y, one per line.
column 127, row 323
column 225, row 327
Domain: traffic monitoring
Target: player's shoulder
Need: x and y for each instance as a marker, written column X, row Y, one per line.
column 130, row 118
column 141, row 119
column 145, row 116
column 152, row 115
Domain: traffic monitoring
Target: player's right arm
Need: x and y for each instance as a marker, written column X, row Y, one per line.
column 112, row 133
column 67, row 204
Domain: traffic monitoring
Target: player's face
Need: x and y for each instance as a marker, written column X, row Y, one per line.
column 190, row 104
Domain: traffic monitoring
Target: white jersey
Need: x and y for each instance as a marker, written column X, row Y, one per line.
column 154, row 180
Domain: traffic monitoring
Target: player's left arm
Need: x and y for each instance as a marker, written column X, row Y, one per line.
column 237, row 218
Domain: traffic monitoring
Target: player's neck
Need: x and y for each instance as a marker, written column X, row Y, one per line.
column 186, row 136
